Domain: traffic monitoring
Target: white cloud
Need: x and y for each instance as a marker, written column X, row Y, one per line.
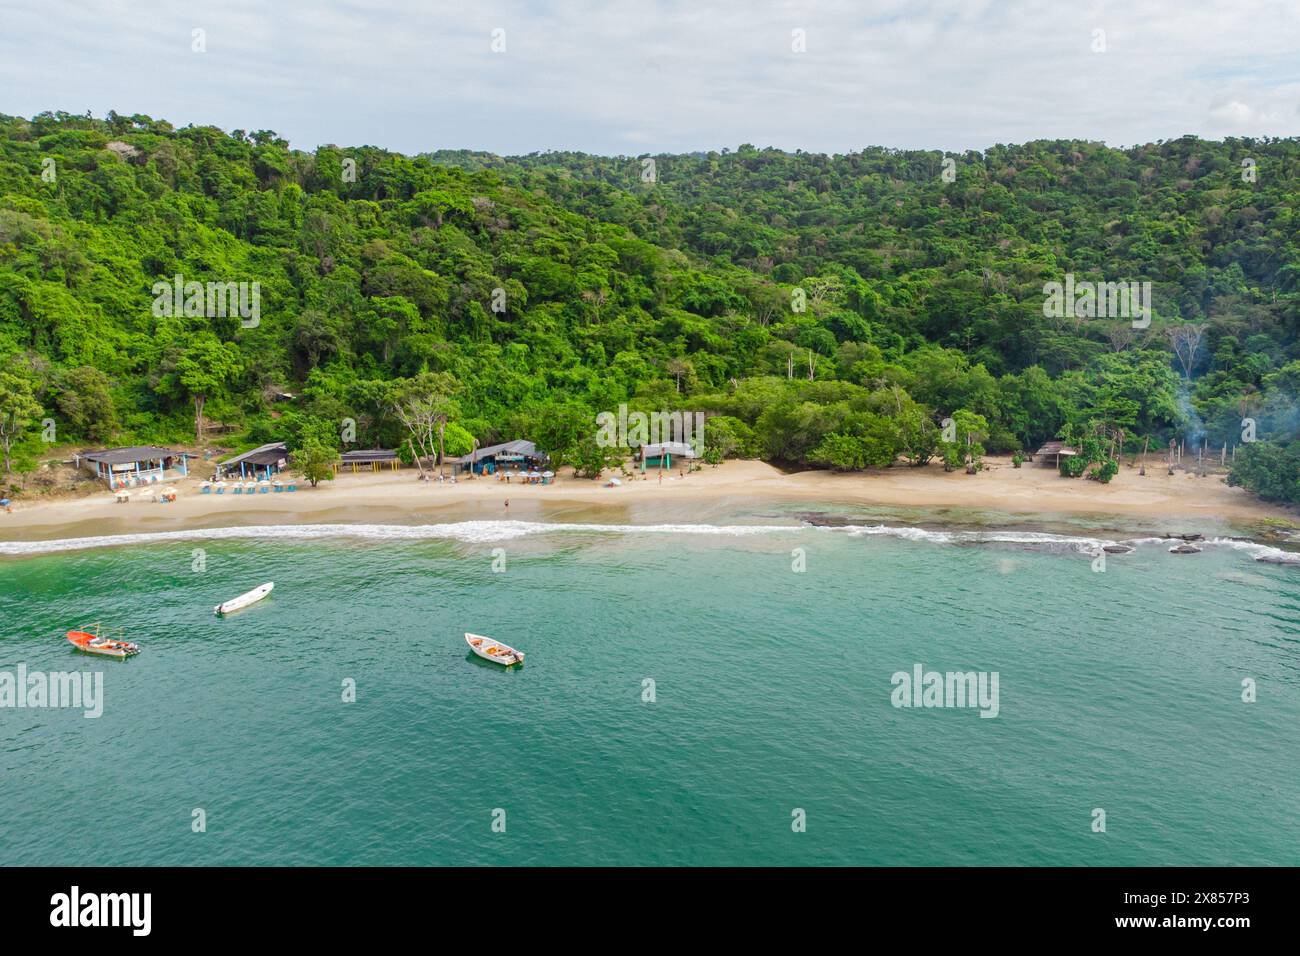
column 666, row 75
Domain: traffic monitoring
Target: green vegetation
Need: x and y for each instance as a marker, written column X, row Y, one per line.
column 315, row 461
column 829, row 311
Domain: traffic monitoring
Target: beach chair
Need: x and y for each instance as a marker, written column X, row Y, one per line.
column 291, row 486
column 277, row 486
column 205, row 488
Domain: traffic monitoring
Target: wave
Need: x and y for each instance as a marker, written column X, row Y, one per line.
column 1264, row 553
column 1061, row 543
column 480, row 532
column 1036, row 540
column 470, row 532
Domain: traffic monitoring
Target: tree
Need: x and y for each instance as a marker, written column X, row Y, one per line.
column 1185, row 339
column 85, row 401
column 18, row 407
column 425, row 406
column 590, row 458
column 203, row 371
column 727, row 437
column 918, row 435
column 677, row 367
column 966, row 448
column 1269, row 470
column 315, row 461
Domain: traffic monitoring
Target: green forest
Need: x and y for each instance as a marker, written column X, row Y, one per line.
column 877, row 309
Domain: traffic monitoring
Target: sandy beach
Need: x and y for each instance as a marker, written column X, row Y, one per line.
column 1180, row 502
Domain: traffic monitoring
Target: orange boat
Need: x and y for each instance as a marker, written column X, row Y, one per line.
column 102, row 644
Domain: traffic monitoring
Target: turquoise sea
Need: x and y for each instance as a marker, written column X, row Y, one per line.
column 1119, row 690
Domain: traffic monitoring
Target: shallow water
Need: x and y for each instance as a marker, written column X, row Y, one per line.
column 772, row 692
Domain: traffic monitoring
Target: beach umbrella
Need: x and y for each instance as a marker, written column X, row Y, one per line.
column 548, row 474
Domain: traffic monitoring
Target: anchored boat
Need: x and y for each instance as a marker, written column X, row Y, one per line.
column 103, row 644
column 244, row 600
column 495, row 651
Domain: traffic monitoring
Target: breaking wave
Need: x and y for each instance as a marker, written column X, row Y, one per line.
column 470, row 532
column 476, row 532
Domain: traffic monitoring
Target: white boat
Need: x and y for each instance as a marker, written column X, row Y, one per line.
column 493, row 650
column 244, row 600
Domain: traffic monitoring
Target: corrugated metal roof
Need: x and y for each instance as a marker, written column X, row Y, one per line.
column 123, row 456
column 362, row 455
column 680, row 448
column 267, row 454
column 517, row 447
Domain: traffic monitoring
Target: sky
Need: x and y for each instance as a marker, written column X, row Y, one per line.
column 628, row 77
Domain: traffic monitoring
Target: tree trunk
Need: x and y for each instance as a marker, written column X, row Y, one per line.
column 441, row 472
column 199, row 401
column 416, row 456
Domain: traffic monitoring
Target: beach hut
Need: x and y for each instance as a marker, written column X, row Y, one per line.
column 136, row 465
column 660, row 455
column 518, row 455
column 1050, row 455
column 262, row 462
column 369, row 459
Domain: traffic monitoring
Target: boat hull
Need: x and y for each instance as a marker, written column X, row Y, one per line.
column 245, row 600
column 493, row 650
column 119, row 650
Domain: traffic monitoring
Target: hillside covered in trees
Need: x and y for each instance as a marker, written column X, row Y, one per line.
column 828, row 310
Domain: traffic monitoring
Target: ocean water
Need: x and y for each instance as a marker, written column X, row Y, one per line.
column 1118, row 690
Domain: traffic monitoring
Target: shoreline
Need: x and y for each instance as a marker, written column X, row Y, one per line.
column 1031, row 498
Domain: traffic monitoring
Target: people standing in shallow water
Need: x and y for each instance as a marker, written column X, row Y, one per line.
column 507, row 504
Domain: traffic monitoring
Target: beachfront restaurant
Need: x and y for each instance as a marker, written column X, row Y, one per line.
column 369, row 459
column 517, row 455
column 134, row 466
column 258, row 464
column 661, row 454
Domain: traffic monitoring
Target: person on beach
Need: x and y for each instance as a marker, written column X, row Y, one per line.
column 507, row 504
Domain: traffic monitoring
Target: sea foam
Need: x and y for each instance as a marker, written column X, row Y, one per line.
column 470, row 532
column 482, row 532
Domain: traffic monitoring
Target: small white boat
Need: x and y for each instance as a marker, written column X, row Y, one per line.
column 244, row 600
column 492, row 650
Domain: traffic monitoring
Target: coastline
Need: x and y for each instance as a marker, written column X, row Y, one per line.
column 1030, row 497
